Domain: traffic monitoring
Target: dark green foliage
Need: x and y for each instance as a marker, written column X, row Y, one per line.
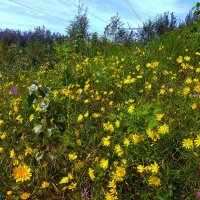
column 115, row 30
column 153, row 29
column 27, row 49
column 77, row 31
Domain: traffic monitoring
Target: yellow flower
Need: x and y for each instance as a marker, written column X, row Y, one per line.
column 112, row 184
column 15, row 162
column 197, row 141
column 106, row 141
column 137, row 138
column 72, row 156
column 159, row 116
column 104, row 163
column 45, row 185
column 12, row 153
column 96, row 115
column 108, row 127
column 78, row 165
column 22, row 173
column 131, row 109
column 28, row 151
column 103, row 109
column 80, row 118
column 147, row 168
column 86, row 101
column 186, row 90
column 126, row 142
column 111, row 103
column 1, row 121
column 154, row 168
column 86, row 114
column 194, row 106
column 153, row 135
column 25, row 196
column 163, row 129
column 1, row 149
column 187, row 143
column 188, row 80
column 64, row 180
column 119, row 174
column 162, row 91
column 110, row 196
column 78, row 142
column 118, row 150
column 91, row 173
column 70, row 176
column 9, row 192
column 19, row 118
column 117, row 123
column 140, row 168
column 3, row 135
column 31, row 118
column 197, row 87
column 187, row 58
column 72, row 186
column 198, row 70
column 179, row 59
column 154, row 181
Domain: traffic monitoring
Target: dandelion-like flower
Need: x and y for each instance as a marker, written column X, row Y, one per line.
column 25, row 196
column 154, row 181
column 163, row 129
column 91, row 173
column 45, row 185
column 154, row 167
column 187, row 143
column 197, row 141
column 104, row 163
column 72, row 156
column 140, row 168
column 106, row 141
column 22, row 173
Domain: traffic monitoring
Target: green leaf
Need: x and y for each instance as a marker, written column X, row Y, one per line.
column 152, row 123
column 31, row 99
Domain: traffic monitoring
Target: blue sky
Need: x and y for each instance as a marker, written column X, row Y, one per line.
column 132, row 12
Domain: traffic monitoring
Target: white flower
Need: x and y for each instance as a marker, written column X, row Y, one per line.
column 44, row 104
column 33, row 88
column 38, row 128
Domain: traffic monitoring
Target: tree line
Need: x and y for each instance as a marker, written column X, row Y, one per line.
column 41, row 45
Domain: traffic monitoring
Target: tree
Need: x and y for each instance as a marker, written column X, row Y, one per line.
column 77, row 31
column 190, row 18
column 146, row 33
column 115, row 31
column 157, row 27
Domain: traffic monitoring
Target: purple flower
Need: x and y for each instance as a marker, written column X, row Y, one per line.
column 195, row 95
column 85, row 194
column 13, row 90
column 137, row 53
column 198, row 194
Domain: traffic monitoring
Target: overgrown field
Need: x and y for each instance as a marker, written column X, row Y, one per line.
column 121, row 125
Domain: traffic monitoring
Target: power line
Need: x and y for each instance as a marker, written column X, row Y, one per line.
column 39, row 11
column 134, row 12
column 88, row 12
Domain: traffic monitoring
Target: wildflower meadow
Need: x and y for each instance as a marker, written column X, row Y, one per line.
column 117, row 125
